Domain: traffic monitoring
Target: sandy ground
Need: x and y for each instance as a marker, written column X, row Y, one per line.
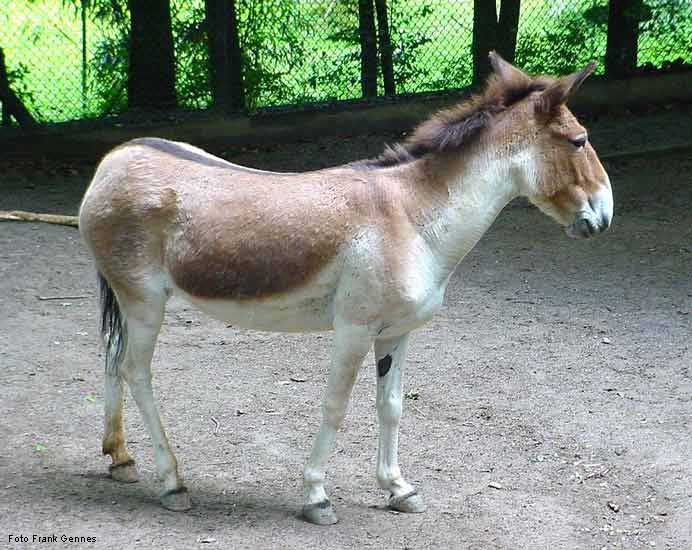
column 560, row 372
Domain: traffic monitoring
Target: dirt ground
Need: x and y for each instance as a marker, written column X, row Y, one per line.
column 549, row 404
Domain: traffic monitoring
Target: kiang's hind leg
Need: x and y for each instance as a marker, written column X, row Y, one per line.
column 144, row 317
column 123, row 466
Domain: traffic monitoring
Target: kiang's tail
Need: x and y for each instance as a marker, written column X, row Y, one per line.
column 113, row 329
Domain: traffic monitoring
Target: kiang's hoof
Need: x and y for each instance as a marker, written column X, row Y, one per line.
column 125, row 472
column 410, row 503
column 177, row 500
column 320, row 513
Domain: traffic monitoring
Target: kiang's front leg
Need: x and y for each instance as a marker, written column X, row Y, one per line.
column 351, row 345
column 390, row 355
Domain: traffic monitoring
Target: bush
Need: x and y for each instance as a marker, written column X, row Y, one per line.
column 575, row 35
column 666, row 34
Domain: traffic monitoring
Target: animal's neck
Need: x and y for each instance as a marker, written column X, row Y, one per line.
column 479, row 187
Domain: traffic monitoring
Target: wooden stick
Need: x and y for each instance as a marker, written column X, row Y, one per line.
column 44, row 298
column 22, row 216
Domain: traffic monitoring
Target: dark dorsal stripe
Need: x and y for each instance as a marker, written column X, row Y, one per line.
column 175, row 149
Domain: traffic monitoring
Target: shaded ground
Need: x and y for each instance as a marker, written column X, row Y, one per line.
column 560, row 371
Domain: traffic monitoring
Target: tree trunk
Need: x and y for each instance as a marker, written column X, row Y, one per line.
column 623, row 37
column 368, row 48
column 225, row 60
column 484, row 37
column 4, row 85
column 151, row 72
column 386, row 49
column 11, row 104
column 489, row 33
column 508, row 27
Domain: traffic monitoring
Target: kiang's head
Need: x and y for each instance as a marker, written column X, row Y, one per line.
column 523, row 121
column 558, row 168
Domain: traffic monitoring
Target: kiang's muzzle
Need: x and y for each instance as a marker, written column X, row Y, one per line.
column 594, row 217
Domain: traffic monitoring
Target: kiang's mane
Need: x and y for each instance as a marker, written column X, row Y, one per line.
column 451, row 129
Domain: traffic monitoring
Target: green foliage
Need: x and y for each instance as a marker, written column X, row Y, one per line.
column 667, row 33
column 191, row 57
column 271, row 41
column 271, row 44
column 576, row 35
column 298, row 51
column 109, row 62
column 337, row 70
column 17, row 79
column 108, row 71
column 666, row 17
column 113, row 12
column 408, row 39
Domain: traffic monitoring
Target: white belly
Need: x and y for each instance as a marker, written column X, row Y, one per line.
column 307, row 309
column 359, row 293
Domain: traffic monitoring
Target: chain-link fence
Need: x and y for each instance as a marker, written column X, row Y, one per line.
column 75, row 59
column 665, row 37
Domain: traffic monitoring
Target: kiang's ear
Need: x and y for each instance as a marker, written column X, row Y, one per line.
column 507, row 72
column 558, row 92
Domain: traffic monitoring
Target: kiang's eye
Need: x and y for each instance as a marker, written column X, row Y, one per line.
column 579, row 141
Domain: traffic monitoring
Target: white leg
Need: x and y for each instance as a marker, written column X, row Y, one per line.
column 143, row 324
column 351, row 345
column 390, row 356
